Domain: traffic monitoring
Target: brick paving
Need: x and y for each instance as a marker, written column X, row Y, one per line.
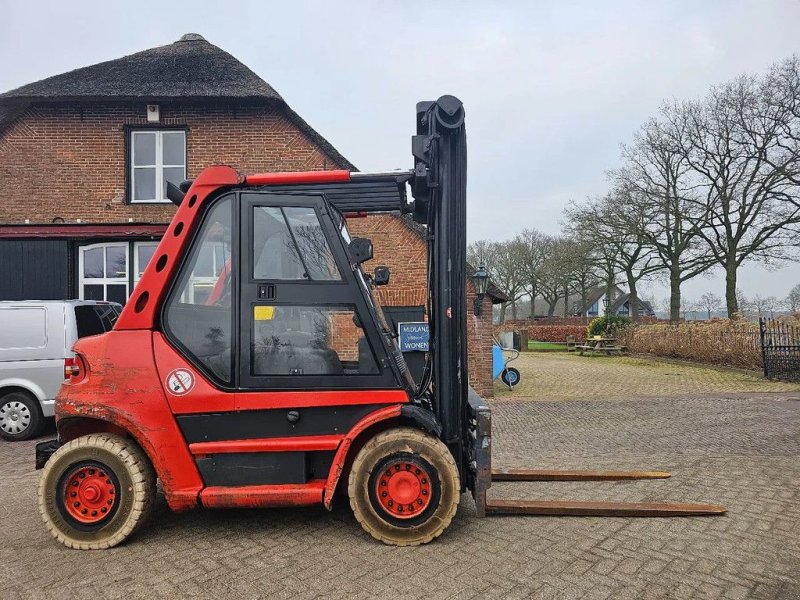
column 563, row 376
column 740, row 450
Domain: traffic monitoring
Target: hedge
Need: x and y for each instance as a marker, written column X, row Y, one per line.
column 556, row 333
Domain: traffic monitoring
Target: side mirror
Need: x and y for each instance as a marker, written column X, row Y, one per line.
column 360, row 250
column 382, row 275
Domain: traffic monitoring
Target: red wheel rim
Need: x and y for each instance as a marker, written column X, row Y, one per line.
column 89, row 494
column 403, row 489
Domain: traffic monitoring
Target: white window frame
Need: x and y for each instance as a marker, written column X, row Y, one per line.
column 136, row 269
column 161, row 192
column 104, row 281
column 208, row 281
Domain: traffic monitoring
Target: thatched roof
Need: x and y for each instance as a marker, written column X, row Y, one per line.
column 189, row 69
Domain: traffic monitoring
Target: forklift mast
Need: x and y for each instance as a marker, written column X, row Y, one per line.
column 439, row 187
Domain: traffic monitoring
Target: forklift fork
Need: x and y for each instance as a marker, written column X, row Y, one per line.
column 483, row 475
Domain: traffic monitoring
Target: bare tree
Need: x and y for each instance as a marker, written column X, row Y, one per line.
column 502, row 261
column 655, row 178
column 710, row 302
column 742, row 147
column 793, row 299
column 616, row 224
column 533, row 250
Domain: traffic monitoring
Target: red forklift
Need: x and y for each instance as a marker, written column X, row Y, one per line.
column 254, row 367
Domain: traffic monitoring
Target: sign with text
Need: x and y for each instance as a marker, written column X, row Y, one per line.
column 413, row 336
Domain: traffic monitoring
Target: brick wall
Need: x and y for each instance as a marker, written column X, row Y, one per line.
column 69, row 161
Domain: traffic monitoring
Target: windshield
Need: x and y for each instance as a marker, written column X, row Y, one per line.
column 361, row 277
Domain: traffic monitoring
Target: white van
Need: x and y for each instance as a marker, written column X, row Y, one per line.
column 35, row 357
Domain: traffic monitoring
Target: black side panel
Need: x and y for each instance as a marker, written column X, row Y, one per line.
column 34, row 270
column 268, row 468
column 253, row 469
column 258, row 424
column 378, row 195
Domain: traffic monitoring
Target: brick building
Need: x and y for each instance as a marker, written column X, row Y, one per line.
column 84, row 157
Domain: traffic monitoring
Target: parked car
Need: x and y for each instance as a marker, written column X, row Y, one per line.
column 36, row 338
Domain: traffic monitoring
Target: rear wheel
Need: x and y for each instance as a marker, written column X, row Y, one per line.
column 404, row 487
column 20, row 416
column 95, row 491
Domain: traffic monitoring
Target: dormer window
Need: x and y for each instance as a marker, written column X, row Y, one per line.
column 156, row 157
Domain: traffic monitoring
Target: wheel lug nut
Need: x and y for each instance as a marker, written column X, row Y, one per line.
column 417, row 471
column 110, row 502
column 74, row 484
column 388, row 473
column 84, row 511
column 397, row 467
column 76, row 504
column 400, row 508
column 383, row 482
column 91, row 471
column 424, row 481
column 408, row 467
column 94, row 513
column 108, row 481
column 73, row 494
column 82, row 475
column 424, row 492
column 410, row 507
column 419, row 501
column 103, row 510
column 390, row 503
column 384, row 494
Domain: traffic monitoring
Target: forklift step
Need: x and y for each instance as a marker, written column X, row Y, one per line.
column 550, row 475
column 576, row 508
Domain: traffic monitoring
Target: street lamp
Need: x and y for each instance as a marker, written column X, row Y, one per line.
column 480, row 279
column 605, row 304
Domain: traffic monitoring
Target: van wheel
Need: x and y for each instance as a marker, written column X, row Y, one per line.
column 20, row 416
column 404, row 487
column 95, row 491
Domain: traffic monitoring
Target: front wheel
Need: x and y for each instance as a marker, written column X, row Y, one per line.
column 404, row 487
column 95, row 491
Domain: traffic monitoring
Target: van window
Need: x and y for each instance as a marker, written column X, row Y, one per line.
column 94, row 319
column 23, row 327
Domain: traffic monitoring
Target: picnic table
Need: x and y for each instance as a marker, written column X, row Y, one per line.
column 600, row 344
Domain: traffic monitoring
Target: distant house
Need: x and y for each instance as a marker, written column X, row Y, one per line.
column 618, row 302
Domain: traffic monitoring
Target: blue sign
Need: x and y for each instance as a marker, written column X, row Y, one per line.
column 413, row 336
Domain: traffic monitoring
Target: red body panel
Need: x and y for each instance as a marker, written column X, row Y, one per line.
column 203, row 398
column 263, row 496
column 301, row 177
column 390, row 413
column 304, row 443
column 123, row 387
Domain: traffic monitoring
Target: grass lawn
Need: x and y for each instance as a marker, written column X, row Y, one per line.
column 535, row 346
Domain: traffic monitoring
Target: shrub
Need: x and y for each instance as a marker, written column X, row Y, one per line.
column 722, row 342
column 607, row 324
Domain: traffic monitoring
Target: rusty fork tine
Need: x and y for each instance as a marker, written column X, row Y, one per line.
column 576, row 508
column 558, row 475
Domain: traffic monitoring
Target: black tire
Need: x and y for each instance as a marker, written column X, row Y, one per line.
column 20, row 416
column 411, row 453
column 511, row 376
column 116, row 467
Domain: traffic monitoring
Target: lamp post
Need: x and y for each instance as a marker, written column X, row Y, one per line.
column 605, row 305
column 480, row 279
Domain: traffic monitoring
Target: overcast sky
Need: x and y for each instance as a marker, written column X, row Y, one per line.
column 551, row 88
